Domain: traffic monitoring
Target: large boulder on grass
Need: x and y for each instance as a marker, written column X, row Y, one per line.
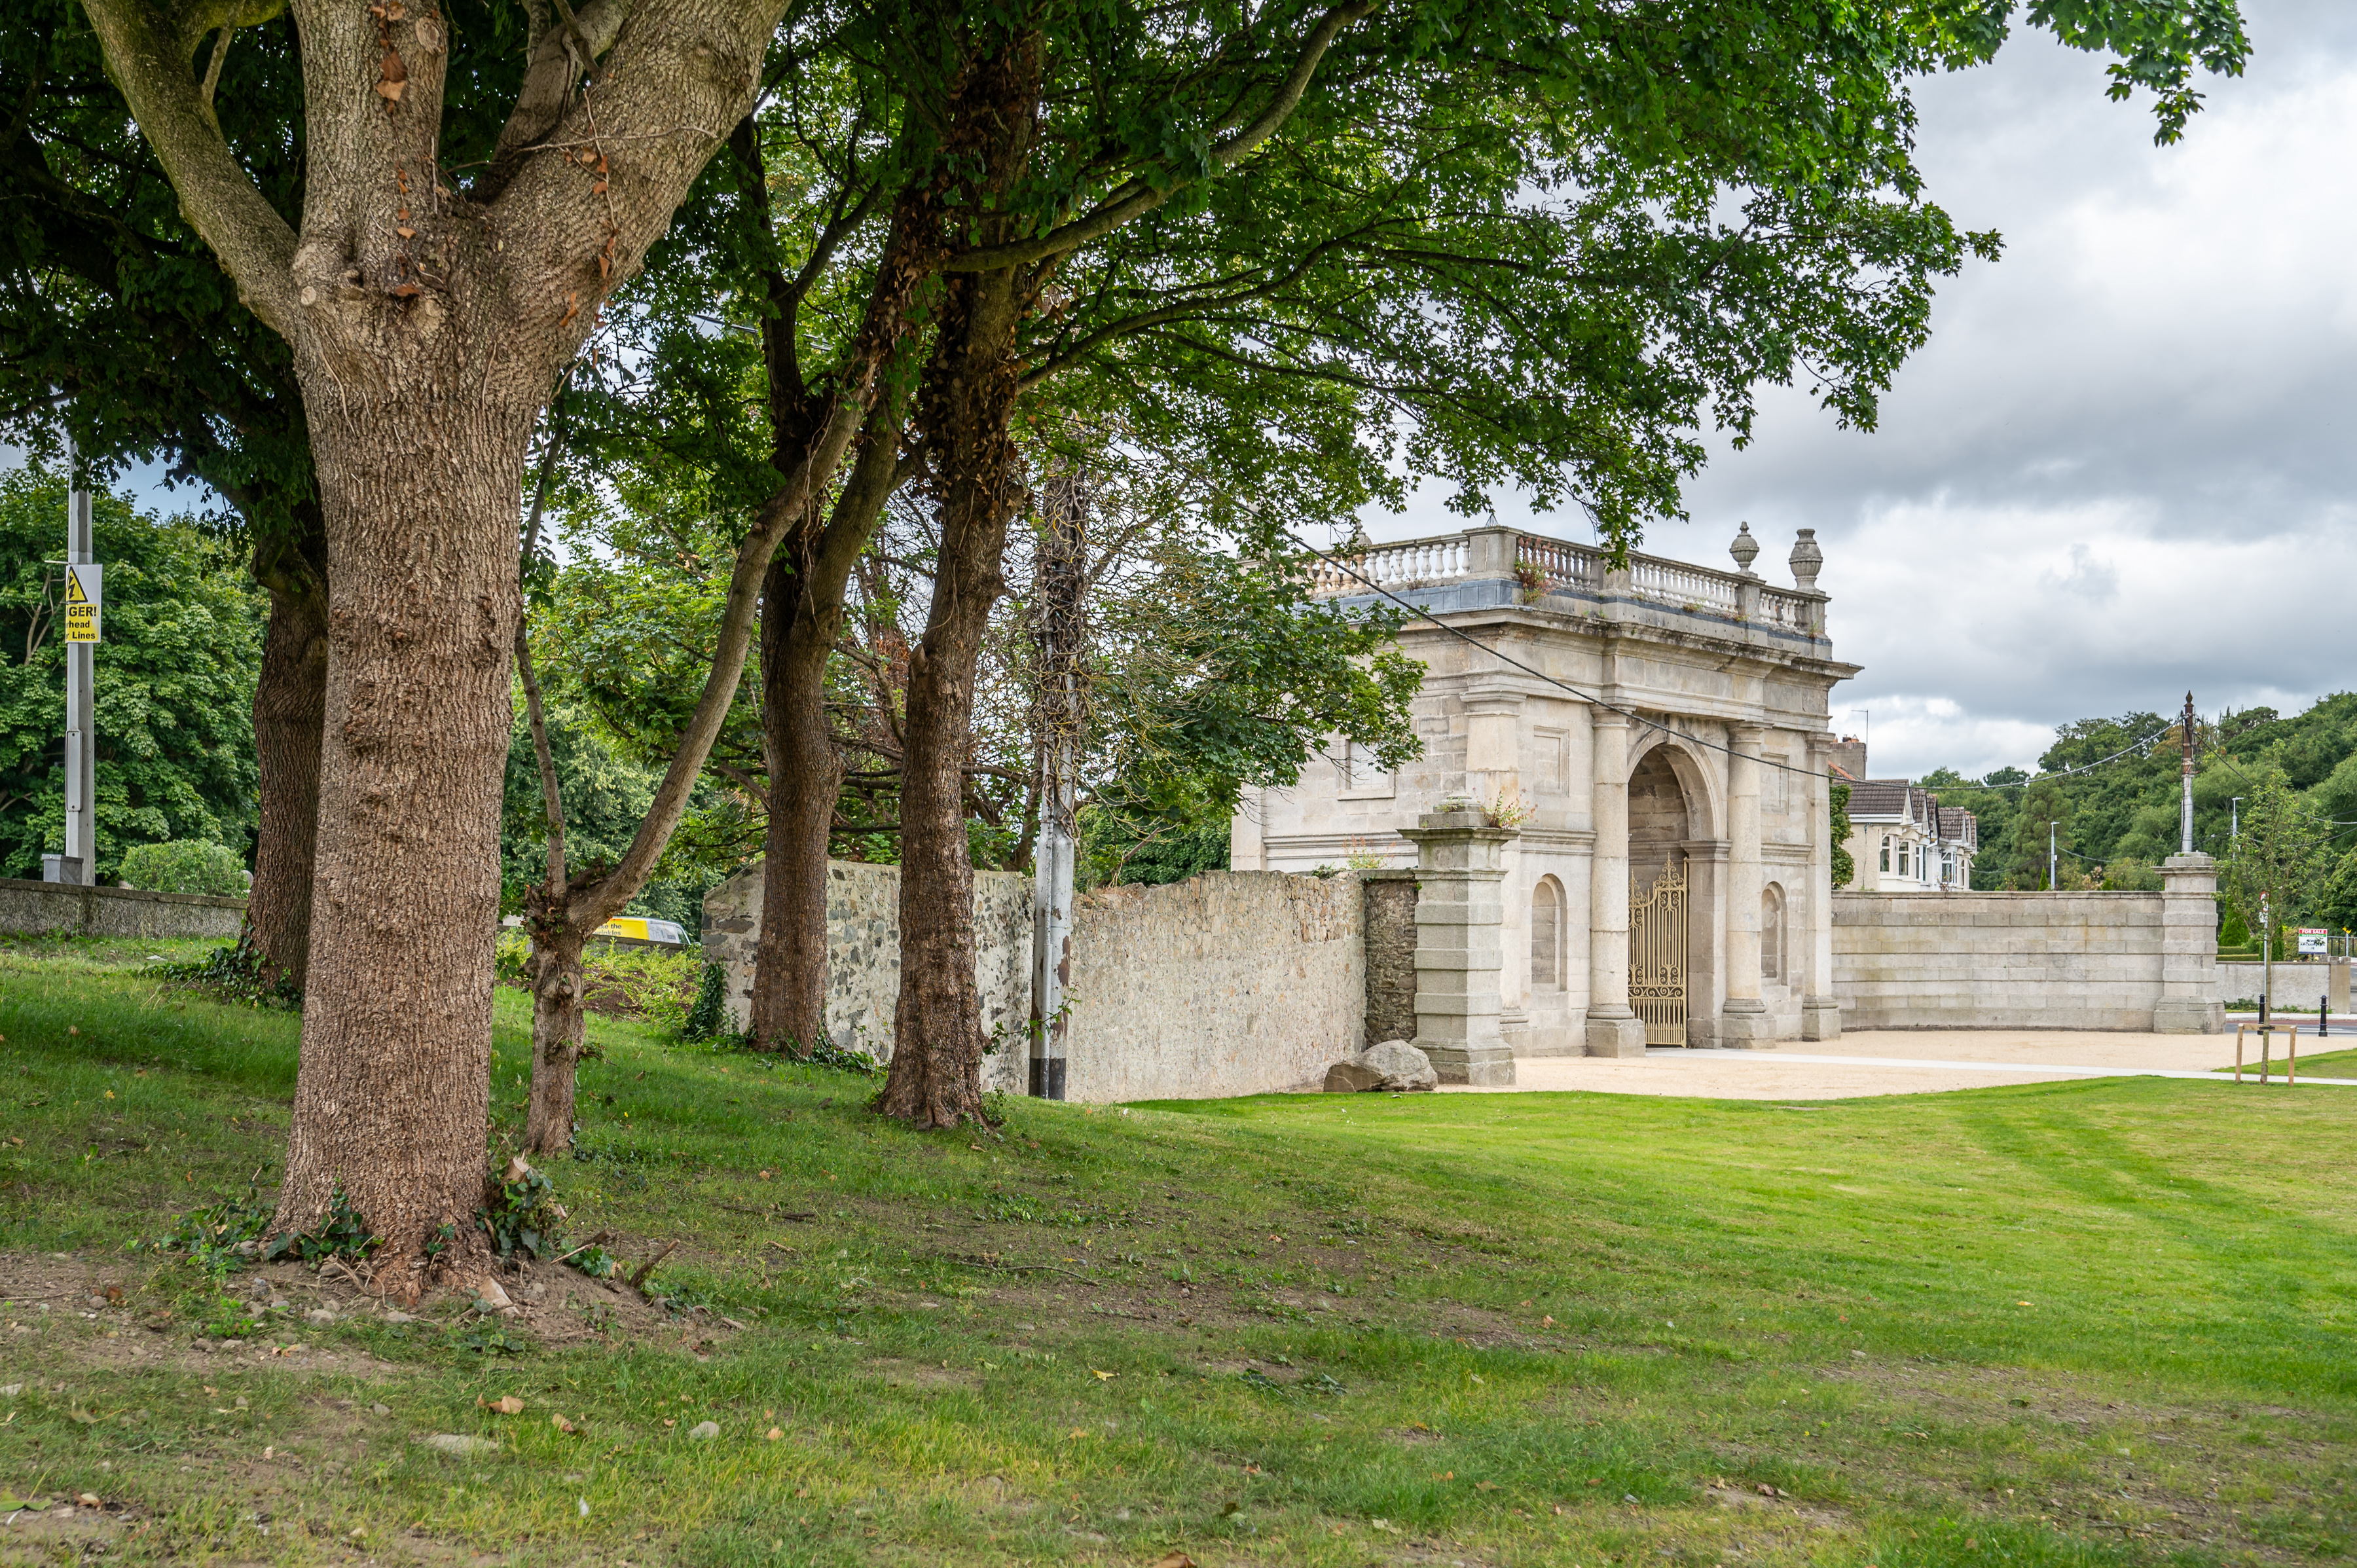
column 1405, row 1069
column 1394, row 1067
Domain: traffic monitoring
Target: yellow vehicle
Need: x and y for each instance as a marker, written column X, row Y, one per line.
column 637, row 929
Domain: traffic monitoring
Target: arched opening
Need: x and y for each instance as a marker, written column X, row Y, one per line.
column 1772, row 932
column 1658, row 825
column 1546, row 935
column 1660, row 941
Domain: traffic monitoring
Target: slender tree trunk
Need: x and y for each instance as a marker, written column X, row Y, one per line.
column 558, row 1035
column 290, row 702
column 937, row 1037
column 802, row 620
column 553, row 971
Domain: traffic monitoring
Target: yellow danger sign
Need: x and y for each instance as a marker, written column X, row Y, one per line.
column 85, row 593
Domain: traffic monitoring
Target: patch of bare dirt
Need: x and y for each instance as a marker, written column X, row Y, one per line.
column 93, row 1310
column 68, row 1530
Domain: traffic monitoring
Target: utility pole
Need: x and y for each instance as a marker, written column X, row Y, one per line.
column 79, row 863
column 2236, row 836
column 1059, row 569
column 2051, row 885
column 2185, row 804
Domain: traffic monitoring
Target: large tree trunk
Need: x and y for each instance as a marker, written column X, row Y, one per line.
column 965, row 405
column 937, row 1037
column 392, row 1094
column 428, row 326
column 290, row 704
column 801, row 621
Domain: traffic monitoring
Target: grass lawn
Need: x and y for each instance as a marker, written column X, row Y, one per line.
column 2318, row 1056
column 2085, row 1323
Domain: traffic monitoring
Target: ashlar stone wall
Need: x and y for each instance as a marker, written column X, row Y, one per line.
column 2132, row 962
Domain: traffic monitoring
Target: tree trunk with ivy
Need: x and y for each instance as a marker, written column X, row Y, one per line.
column 559, row 1033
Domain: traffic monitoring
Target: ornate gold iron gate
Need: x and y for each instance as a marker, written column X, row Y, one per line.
column 1657, row 956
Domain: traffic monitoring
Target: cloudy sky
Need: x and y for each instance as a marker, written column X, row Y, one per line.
column 2124, row 464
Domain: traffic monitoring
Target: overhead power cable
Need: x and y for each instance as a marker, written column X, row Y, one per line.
column 2066, row 772
column 2220, row 753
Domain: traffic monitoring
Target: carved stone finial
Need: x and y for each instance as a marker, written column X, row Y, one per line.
column 1807, row 559
column 1745, row 549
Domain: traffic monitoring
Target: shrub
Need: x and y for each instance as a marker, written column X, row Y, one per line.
column 232, row 973
column 708, row 1018
column 185, row 865
column 660, row 985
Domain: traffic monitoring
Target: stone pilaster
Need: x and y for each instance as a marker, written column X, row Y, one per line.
column 1820, row 1014
column 1613, row 1029
column 1743, row 1020
column 2189, row 946
column 1460, row 907
column 1493, row 739
column 1246, row 850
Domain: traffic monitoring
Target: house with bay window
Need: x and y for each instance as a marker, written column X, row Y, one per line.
column 1904, row 841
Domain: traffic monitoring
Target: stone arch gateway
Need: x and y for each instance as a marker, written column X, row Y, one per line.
column 1633, row 720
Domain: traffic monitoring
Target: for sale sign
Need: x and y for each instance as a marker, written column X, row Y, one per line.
column 2311, row 940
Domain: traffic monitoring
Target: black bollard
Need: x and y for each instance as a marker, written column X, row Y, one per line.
column 2323, row 1017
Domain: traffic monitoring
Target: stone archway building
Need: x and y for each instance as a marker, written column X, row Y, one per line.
column 1684, row 773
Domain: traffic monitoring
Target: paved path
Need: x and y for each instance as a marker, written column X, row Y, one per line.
column 1899, row 1061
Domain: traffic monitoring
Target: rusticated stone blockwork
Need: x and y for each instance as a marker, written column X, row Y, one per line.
column 1390, row 901
column 2132, row 962
column 863, row 959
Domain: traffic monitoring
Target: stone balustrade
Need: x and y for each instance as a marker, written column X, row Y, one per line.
column 1543, row 568
column 1408, row 563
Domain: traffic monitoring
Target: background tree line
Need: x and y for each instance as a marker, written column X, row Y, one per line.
column 2296, row 779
